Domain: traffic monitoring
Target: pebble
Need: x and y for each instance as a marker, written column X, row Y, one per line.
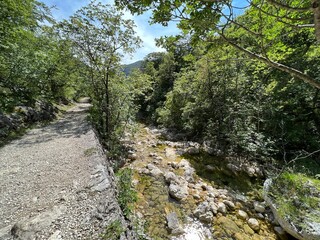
column 132, row 156
column 258, row 207
column 222, row 208
column 242, row 214
column 229, row 204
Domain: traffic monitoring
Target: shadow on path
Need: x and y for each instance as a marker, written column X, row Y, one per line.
column 72, row 125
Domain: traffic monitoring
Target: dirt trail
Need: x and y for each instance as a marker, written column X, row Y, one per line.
column 54, row 183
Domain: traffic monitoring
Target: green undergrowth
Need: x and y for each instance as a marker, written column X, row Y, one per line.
column 214, row 169
column 297, row 195
column 127, row 196
column 113, row 231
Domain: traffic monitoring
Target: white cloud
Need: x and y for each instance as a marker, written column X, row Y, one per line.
column 143, row 29
column 148, row 33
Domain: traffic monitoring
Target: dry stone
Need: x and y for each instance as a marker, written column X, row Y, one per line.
column 254, row 224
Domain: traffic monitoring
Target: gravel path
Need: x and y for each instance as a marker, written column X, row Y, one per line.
column 54, row 183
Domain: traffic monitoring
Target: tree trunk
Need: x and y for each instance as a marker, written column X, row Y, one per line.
column 108, row 127
column 316, row 13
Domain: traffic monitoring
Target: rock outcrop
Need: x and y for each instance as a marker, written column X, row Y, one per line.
column 303, row 227
column 23, row 116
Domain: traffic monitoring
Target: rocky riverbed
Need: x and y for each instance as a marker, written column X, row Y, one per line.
column 182, row 197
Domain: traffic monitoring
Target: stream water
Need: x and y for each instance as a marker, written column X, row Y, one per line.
column 220, row 190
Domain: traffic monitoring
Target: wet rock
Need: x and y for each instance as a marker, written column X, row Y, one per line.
column 222, row 208
column 254, row 224
column 242, row 214
column 173, row 224
column 259, row 207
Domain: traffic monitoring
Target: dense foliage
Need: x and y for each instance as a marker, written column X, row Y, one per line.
column 224, row 85
column 45, row 60
column 34, row 62
column 98, row 33
column 247, row 84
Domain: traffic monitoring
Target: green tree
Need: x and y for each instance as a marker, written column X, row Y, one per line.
column 24, row 58
column 100, row 36
column 205, row 19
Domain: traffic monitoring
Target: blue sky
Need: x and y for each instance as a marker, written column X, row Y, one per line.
column 147, row 33
column 65, row 8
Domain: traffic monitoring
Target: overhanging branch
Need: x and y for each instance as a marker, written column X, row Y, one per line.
column 287, row 7
column 292, row 71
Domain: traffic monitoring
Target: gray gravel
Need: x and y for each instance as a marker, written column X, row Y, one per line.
column 55, row 184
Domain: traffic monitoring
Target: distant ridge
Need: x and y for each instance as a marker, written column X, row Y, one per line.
column 129, row 67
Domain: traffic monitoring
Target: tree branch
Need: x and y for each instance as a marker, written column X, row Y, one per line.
column 287, row 7
column 293, row 72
